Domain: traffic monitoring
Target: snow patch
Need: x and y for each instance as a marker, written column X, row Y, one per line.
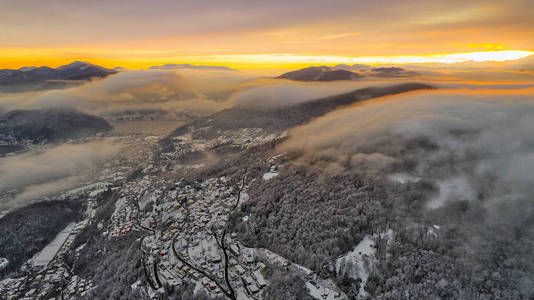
column 404, row 178
column 273, row 172
column 97, row 192
column 135, row 285
column 269, row 175
column 321, row 292
column 3, row 263
column 360, row 262
column 244, row 197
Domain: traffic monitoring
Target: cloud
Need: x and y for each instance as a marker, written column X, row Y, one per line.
column 130, row 91
column 39, row 173
column 474, row 145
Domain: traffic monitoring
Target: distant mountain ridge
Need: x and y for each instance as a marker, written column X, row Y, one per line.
column 521, row 64
column 322, row 73
column 344, row 72
column 190, row 67
column 77, row 70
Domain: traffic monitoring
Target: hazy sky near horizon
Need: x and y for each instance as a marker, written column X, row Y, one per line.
column 138, row 33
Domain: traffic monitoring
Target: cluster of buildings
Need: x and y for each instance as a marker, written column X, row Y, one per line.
column 208, row 138
column 46, row 275
column 184, row 226
column 78, row 286
column 121, row 222
column 12, row 288
column 48, row 272
column 188, row 222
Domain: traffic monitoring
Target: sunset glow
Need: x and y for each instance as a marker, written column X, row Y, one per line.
column 16, row 58
column 266, row 35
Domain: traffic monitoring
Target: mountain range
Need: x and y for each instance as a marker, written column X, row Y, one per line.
column 521, row 64
column 45, row 77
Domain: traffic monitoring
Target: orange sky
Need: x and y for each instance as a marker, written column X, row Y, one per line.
column 261, row 34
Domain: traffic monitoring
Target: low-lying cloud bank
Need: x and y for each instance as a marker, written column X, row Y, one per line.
column 133, row 90
column 52, row 170
column 169, row 93
column 195, row 91
column 473, row 145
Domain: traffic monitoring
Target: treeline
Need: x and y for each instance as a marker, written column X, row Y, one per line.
column 310, row 217
column 469, row 257
column 284, row 285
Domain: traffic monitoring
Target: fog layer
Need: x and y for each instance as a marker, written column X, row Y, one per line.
column 474, row 145
column 51, row 170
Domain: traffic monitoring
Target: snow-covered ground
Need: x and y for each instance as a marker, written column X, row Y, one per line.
column 49, row 251
column 322, row 293
column 244, row 197
column 97, row 192
column 271, row 174
column 360, row 262
column 317, row 288
column 403, row 178
column 242, row 294
column 272, row 257
column 3, row 263
column 148, row 197
column 89, row 187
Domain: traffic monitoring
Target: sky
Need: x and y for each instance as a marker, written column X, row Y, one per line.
column 262, row 34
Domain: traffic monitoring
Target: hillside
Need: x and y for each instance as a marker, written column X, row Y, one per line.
column 319, row 74
column 49, row 125
column 258, row 120
column 345, row 72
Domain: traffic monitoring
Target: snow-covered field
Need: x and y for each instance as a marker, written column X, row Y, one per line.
column 359, row 262
column 47, row 253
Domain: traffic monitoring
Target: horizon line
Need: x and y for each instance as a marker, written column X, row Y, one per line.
column 281, row 60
